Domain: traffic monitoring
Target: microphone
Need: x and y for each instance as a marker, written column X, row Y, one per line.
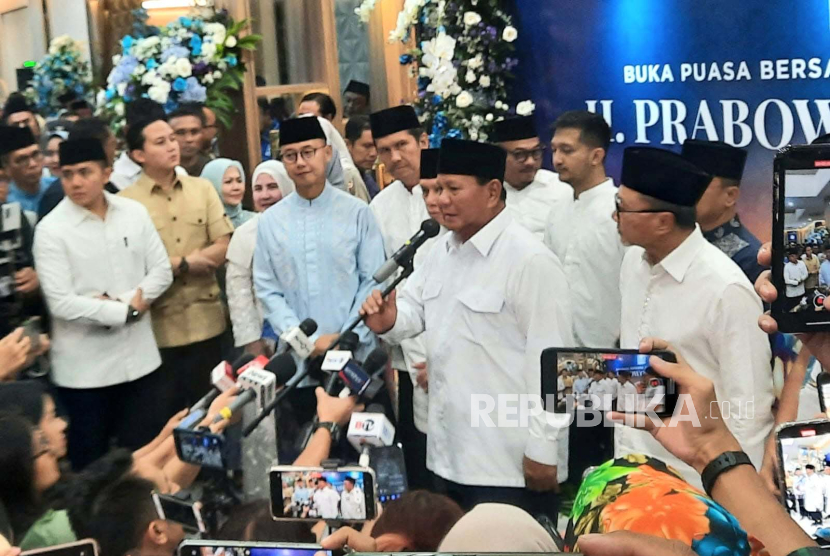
column 260, row 384
column 297, row 339
column 370, row 428
column 336, row 359
column 223, row 377
column 429, row 229
column 364, row 382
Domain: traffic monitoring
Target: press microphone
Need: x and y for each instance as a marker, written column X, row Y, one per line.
column 429, row 229
column 336, row 359
column 260, row 384
column 223, row 378
column 296, row 339
column 370, row 428
column 364, row 381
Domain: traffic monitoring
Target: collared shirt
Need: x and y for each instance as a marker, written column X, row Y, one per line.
column 628, row 399
column 739, row 245
column 188, row 217
column 699, row 301
column 29, row 201
column 824, row 273
column 353, row 504
column 584, row 236
column 530, row 206
column 581, row 385
column 488, row 307
column 794, row 276
column 80, row 257
column 55, row 194
column 326, row 500
column 125, row 172
column 399, row 213
column 315, row 259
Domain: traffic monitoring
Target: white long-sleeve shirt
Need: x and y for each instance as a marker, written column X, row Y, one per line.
column 794, row 276
column 399, row 214
column 701, row 302
column 530, row 206
column 247, row 315
column 80, row 257
column 488, row 307
column 325, row 501
column 353, row 504
column 584, row 236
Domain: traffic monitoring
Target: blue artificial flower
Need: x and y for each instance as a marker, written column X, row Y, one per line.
column 194, row 92
column 232, row 61
column 455, row 134
column 179, row 85
column 406, row 59
column 170, row 106
column 127, row 43
column 441, row 121
column 196, row 45
column 437, row 99
column 151, row 64
column 185, row 21
column 175, row 52
column 110, row 94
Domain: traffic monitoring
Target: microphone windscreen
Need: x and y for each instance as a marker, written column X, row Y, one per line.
column 375, row 361
column 308, row 326
column 430, row 227
column 283, row 366
column 348, row 341
column 241, row 361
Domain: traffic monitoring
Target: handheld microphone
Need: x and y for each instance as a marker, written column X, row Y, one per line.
column 297, row 339
column 429, row 229
column 337, row 359
column 223, row 377
column 260, row 384
column 370, row 428
column 364, row 382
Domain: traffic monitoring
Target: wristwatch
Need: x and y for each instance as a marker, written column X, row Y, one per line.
column 133, row 314
column 333, row 428
column 184, row 266
column 719, row 466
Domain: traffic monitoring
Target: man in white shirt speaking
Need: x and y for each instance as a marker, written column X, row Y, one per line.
column 531, row 190
column 325, row 500
column 679, row 287
column 582, row 231
column 101, row 264
column 489, row 297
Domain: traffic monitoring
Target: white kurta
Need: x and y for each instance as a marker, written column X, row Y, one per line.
column 813, row 493
column 701, row 302
column 399, row 214
column 353, row 504
column 488, row 307
column 326, row 501
column 584, row 236
column 531, row 205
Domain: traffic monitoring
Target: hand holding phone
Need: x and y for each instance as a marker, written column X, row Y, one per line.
column 86, row 547
column 315, row 493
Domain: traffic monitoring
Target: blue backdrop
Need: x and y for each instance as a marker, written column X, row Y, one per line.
column 651, row 62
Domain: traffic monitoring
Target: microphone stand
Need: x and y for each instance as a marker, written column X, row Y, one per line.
column 406, row 270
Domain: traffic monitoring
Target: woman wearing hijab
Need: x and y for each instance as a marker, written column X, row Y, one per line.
column 228, row 177
column 271, row 184
column 498, row 528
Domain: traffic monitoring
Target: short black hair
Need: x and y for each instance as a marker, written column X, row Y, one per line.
column 121, row 513
column 189, row 109
column 356, row 126
column 810, row 466
column 17, row 473
column 685, row 217
column 484, row 181
column 135, row 133
column 323, row 479
column 351, row 480
column 90, row 128
column 80, row 105
column 327, row 107
column 593, row 129
column 143, row 109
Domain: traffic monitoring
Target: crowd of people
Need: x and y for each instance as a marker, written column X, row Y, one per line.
column 127, row 277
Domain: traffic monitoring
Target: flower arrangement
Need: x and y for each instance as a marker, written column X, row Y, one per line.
column 192, row 59
column 464, row 64
column 63, row 70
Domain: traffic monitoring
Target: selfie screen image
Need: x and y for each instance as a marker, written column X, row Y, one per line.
column 326, row 495
column 261, row 551
column 806, row 270
column 806, row 463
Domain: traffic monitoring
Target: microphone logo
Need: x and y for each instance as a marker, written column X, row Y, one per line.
column 366, row 426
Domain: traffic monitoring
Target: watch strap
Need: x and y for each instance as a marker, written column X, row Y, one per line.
column 184, row 266
column 719, row 466
column 333, row 428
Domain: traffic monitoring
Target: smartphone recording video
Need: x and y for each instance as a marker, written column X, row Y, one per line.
column 602, row 380
column 200, row 447
column 235, row 548
column 314, row 493
column 187, row 514
column 801, row 242
column 390, row 469
column 804, row 475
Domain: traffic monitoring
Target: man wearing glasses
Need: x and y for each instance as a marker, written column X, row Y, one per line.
column 20, row 155
column 531, row 191
column 315, row 253
column 677, row 286
column 581, row 230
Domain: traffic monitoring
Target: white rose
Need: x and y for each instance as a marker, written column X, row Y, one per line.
column 483, row 137
column 208, row 50
column 208, row 79
column 149, row 78
column 525, row 108
column 510, row 34
column 139, row 70
column 455, row 89
column 471, row 18
column 119, row 109
column 101, row 98
column 183, row 67
column 475, row 63
column 464, row 99
column 498, row 105
column 121, row 88
column 217, row 74
column 470, row 77
column 489, row 117
column 159, row 92
column 231, row 42
column 474, row 135
column 484, row 81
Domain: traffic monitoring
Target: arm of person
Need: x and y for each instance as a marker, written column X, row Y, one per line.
column 409, row 309
column 165, row 433
column 545, row 321
column 217, row 250
column 268, row 285
column 329, row 410
column 743, row 355
column 158, row 272
column 245, row 319
column 55, row 272
column 370, row 256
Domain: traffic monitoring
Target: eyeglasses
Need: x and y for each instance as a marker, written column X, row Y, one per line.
column 620, row 210
column 521, row 155
column 25, row 160
column 307, row 153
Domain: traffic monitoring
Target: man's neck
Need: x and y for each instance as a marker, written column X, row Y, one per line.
column 595, row 179
column 99, row 207
column 410, row 187
column 465, row 235
column 518, row 186
column 31, row 188
column 311, row 192
column 188, row 162
column 657, row 253
column 164, row 178
column 720, row 220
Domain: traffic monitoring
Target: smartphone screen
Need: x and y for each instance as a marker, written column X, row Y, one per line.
column 86, row 547
column 804, row 474
column 601, row 380
column 802, row 176
column 346, row 494
column 200, row 448
column 390, row 469
column 187, row 514
column 234, row 548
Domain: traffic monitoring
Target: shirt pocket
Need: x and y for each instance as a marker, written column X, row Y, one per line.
column 481, row 315
column 195, row 230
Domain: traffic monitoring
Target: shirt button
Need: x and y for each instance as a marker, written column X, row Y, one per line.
column 170, row 198
column 174, row 219
column 178, row 240
column 200, row 221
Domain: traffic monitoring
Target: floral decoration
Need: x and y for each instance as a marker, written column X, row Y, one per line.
column 63, row 70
